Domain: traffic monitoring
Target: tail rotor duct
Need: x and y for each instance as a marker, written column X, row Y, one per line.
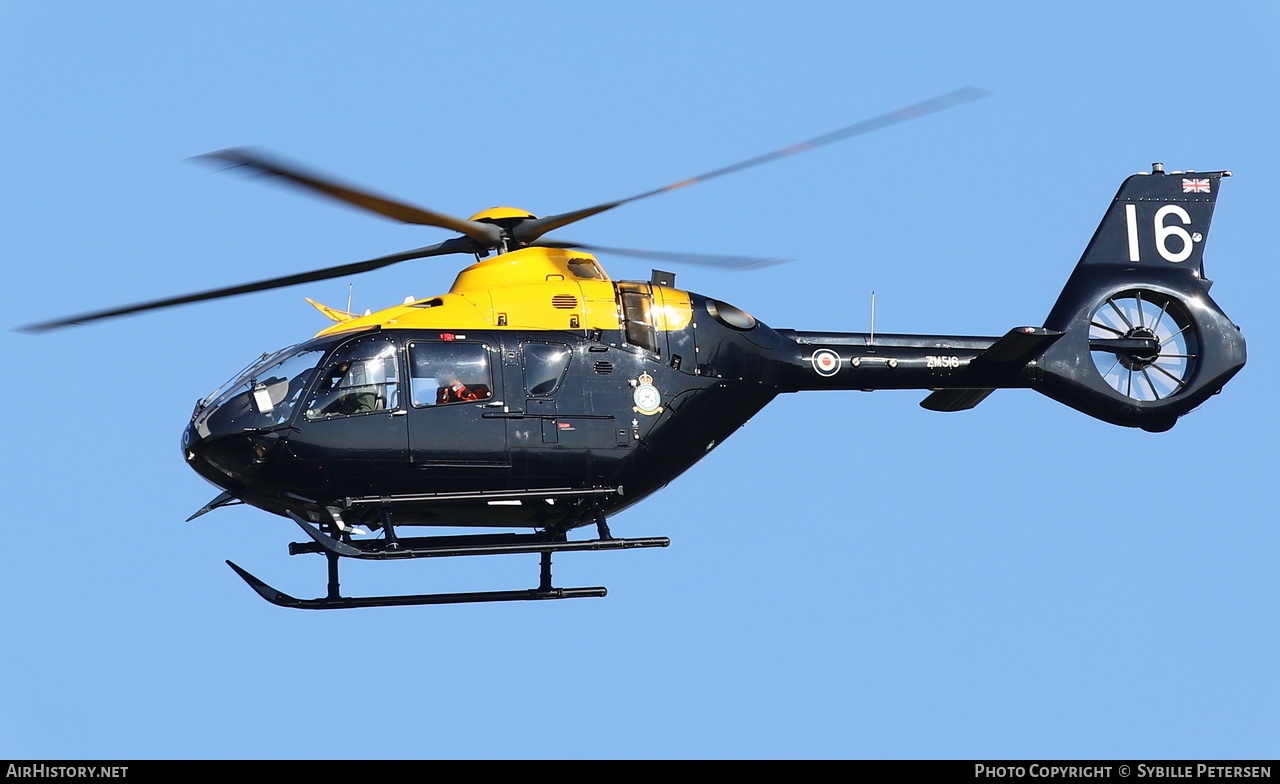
column 1144, row 344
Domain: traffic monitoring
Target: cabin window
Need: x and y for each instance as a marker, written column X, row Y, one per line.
column 452, row 372
column 544, row 367
column 361, row 377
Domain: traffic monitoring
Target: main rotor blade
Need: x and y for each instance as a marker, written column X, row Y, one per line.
column 485, row 233
column 532, row 229
column 455, row 245
column 704, row 259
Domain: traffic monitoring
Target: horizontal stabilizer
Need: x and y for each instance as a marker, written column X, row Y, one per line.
column 1019, row 346
column 955, row 399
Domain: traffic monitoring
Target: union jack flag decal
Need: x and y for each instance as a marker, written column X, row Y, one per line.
column 1195, row 186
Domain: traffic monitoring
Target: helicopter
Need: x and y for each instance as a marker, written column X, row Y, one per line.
column 540, row 396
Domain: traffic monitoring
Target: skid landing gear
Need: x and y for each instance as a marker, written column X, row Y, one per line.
column 438, row 547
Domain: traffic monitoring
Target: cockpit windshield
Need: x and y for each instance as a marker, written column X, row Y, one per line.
column 265, row 394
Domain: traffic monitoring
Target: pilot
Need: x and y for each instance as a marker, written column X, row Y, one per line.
column 348, row 391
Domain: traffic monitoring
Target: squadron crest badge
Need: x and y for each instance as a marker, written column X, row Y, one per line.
column 647, row 398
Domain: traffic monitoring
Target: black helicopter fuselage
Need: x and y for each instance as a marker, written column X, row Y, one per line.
column 552, row 428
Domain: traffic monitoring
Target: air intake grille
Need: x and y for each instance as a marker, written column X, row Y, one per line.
column 604, row 368
column 564, row 301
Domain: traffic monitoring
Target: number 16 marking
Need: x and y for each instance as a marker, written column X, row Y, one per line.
column 1162, row 232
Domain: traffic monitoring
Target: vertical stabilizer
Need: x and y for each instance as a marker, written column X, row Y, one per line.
column 1144, row 342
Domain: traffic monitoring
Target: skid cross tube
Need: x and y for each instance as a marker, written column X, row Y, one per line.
column 448, row 546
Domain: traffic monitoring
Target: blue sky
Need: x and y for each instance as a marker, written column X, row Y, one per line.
column 849, row 576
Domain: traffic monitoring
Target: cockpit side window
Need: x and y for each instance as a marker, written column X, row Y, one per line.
column 449, row 372
column 360, row 378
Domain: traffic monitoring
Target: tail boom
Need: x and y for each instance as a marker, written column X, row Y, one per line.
column 944, row 363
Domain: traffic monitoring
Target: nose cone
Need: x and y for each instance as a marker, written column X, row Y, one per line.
column 231, row 461
column 235, row 432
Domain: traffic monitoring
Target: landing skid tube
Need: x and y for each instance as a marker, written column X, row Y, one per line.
column 338, row 602
column 437, row 546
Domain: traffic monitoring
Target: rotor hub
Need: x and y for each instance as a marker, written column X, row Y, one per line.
column 1137, row 359
column 502, row 216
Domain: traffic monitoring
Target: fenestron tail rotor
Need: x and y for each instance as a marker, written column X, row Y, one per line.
column 482, row 234
column 1144, row 344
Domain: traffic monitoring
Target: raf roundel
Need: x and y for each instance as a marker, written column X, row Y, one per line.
column 826, row 362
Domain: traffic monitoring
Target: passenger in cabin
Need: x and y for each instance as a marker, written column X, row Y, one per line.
column 454, row 391
column 445, row 373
